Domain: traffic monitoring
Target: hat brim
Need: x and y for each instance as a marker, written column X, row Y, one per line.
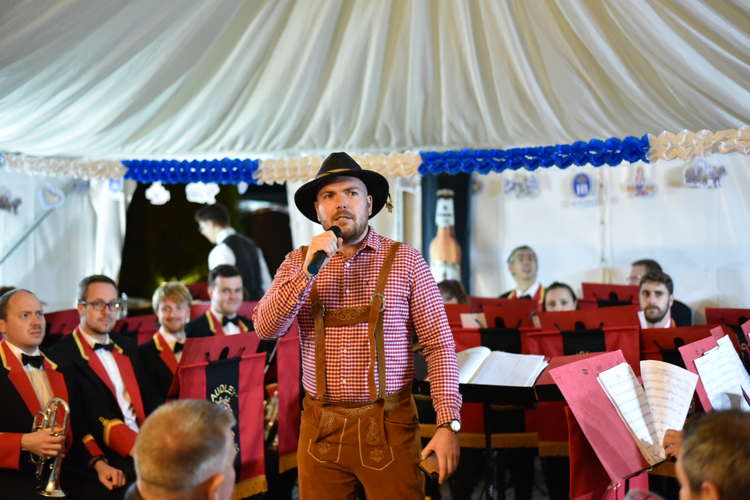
column 377, row 187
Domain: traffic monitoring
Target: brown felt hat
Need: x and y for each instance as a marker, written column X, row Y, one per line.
column 336, row 165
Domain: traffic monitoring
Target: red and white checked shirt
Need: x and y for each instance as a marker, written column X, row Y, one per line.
column 413, row 305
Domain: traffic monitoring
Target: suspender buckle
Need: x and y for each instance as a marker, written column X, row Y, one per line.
column 382, row 307
column 320, row 306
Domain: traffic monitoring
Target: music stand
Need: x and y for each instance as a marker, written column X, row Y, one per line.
column 663, row 343
column 607, row 295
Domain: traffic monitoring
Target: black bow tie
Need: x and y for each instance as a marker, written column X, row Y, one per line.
column 234, row 320
column 106, row 347
column 527, row 296
column 35, row 361
column 178, row 347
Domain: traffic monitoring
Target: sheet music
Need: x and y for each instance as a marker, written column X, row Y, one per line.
column 473, row 320
column 469, row 361
column 504, row 368
column 669, row 391
column 629, row 398
column 720, row 381
column 731, row 358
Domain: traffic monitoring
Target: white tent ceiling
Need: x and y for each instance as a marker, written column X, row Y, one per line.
column 113, row 79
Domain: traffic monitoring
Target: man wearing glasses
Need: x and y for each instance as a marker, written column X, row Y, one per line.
column 108, row 396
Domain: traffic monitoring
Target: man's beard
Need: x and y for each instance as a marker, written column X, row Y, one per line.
column 99, row 331
column 660, row 314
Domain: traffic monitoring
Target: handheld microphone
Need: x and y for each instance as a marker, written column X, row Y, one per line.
column 320, row 256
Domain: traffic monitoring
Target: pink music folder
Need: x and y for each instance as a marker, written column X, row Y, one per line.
column 690, row 352
column 608, row 435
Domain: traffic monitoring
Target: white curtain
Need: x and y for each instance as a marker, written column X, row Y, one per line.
column 699, row 236
column 115, row 79
column 82, row 236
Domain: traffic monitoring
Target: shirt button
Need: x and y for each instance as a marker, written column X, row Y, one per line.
column 343, row 382
column 347, row 290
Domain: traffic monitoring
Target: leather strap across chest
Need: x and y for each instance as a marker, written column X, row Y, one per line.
column 371, row 314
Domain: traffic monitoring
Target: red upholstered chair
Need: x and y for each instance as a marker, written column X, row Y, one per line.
column 247, row 308
column 141, row 328
column 62, row 322
column 198, row 308
column 199, row 291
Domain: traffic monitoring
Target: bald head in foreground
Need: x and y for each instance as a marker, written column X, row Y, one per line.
column 185, row 451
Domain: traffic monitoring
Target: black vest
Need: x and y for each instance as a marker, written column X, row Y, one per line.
column 247, row 257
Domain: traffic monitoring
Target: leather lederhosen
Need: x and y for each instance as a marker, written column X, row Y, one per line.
column 375, row 442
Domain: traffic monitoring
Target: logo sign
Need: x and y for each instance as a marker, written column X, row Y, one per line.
column 521, row 185
column 702, row 175
column 640, row 186
column 581, row 185
column 223, row 395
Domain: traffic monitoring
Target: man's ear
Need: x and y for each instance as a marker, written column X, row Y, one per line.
column 709, row 491
column 212, row 485
column 3, row 326
column 671, row 300
column 369, row 205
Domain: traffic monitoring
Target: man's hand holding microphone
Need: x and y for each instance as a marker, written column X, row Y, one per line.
column 322, row 246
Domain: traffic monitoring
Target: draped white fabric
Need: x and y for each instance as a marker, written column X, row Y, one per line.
column 699, row 236
column 81, row 236
column 112, row 79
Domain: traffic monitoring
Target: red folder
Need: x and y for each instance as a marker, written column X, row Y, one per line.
column 596, row 415
column 605, row 292
column 689, row 354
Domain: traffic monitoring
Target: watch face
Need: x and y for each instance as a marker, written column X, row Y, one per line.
column 455, row 425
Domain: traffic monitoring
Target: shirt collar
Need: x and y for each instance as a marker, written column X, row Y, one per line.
column 91, row 340
column 371, row 240
column 17, row 351
column 172, row 338
column 224, row 234
column 531, row 291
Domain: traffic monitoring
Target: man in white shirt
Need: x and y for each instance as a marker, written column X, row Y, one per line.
column 109, row 390
column 656, row 299
column 225, row 290
column 161, row 355
column 523, row 266
column 233, row 249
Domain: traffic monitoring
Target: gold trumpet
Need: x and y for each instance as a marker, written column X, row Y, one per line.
column 49, row 485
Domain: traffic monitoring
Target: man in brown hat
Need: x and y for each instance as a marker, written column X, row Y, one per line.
column 357, row 318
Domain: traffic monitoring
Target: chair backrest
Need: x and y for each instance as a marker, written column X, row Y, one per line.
column 62, row 322
column 198, row 309
column 141, row 328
